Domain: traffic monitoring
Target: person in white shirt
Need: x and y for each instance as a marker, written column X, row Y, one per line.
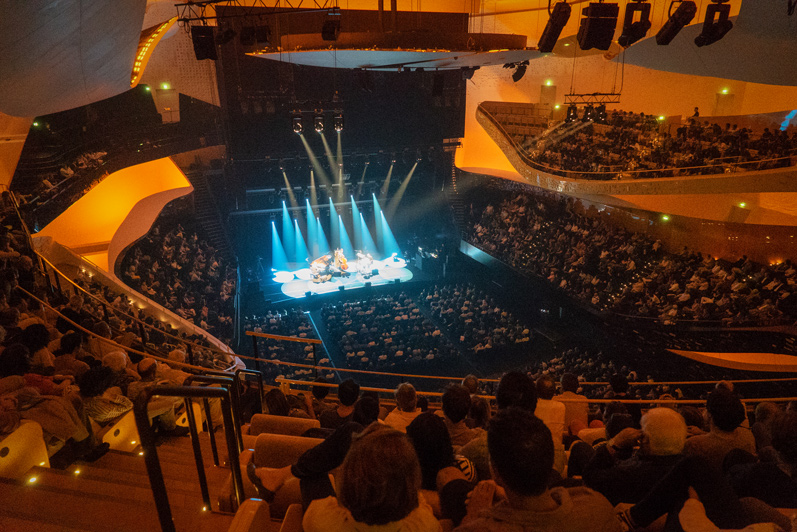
column 406, row 408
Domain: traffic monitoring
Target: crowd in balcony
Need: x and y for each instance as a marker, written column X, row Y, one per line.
column 383, row 331
column 473, row 318
column 614, row 269
column 186, row 274
column 634, row 145
column 49, row 184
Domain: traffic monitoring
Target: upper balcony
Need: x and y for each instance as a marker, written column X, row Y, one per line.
column 550, row 155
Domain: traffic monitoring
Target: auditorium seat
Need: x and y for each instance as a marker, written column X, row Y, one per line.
column 23, row 449
column 290, row 426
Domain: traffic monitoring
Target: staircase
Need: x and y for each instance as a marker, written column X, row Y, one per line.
column 208, row 214
column 113, row 494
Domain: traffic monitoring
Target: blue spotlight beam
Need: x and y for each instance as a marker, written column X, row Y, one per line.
column 323, row 245
column 368, row 242
column 380, row 235
column 287, row 234
column 355, row 220
column 312, row 229
column 279, row 260
column 345, row 243
column 300, row 246
column 333, row 225
column 389, row 245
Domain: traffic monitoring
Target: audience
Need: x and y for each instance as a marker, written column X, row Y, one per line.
column 406, row 408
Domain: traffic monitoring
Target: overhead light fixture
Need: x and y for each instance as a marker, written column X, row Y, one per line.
column 298, row 127
column 683, row 15
column 318, row 121
column 716, row 23
column 597, row 26
column 331, row 28
column 467, row 72
column 572, row 113
column 556, row 22
column 337, row 121
column 634, row 30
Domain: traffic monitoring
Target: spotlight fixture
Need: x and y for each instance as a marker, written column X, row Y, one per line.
column 572, row 113
column 600, row 114
column 716, row 23
column 589, row 113
column 597, row 26
column 682, row 16
column 633, row 31
column 331, row 28
column 337, row 121
column 298, row 127
column 318, row 121
column 556, row 23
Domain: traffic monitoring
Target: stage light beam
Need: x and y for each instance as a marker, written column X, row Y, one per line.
column 393, row 205
column 279, row 260
column 386, row 185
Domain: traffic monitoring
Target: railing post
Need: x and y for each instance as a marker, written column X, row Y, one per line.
column 315, row 362
column 232, row 455
column 142, row 333
column 105, row 311
column 190, row 356
column 147, row 436
column 254, row 349
column 211, row 432
column 200, row 464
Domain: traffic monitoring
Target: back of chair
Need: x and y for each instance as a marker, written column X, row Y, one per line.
column 279, row 450
column 292, row 426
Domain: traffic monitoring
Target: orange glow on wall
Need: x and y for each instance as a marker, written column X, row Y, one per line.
column 88, row 225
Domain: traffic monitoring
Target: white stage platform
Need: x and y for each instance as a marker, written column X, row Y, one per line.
column 296, row 283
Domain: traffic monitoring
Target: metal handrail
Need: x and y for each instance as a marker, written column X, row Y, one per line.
column 246, row 372
column 228, row 383
column 148, row 443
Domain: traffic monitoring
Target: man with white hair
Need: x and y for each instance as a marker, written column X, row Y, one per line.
column 623, row 474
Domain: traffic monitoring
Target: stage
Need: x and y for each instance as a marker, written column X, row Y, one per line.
column 296, row 283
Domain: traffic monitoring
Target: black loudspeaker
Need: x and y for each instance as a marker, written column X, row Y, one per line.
column 597, row 26
column 308, row 294
column 342, row 288
column 715, row 25
column 556, row 23
column 204, row 43
column 397, row 281
column 330, row 30
column 368, row 284
column 634, row 31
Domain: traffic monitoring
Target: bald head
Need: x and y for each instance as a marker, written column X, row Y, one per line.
column 665, row 431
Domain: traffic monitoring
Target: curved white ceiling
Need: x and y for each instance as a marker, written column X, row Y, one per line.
column 62, row 54
column 761, row 48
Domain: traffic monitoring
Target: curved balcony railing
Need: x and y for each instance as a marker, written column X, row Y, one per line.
column 722, row 165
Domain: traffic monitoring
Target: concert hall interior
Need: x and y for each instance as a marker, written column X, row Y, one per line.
column 557, row 222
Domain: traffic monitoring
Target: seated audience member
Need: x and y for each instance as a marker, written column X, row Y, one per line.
column 515, row 389
column 161, row 409
column 522, row 456
column 65, row 361
column 619, row 391
column 551, row 412
column 348, row 392
column 320, row 404
column 405, row 411
column 726, row 414
column 456, row 405
column 693, row 518
column 102, row 401
column 36, row 338
column 576, row 413
column 277, row 405
column 479, row 413
column 379, row 485
column 765, row 413
column 772, row 482
column 661, row 443
column 471, row 383
column 75, row 312
column 118, row 362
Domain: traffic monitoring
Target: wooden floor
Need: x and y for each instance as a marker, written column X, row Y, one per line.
column 113, row 494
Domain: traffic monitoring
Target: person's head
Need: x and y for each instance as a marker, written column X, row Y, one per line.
column 75, row 302
column 765, row 412
column 70, row 342
column 724, row 385
column 429, row 436
column 101, row 329
column 618, row 383
column 95, row 381
column 380, row 476
column 546, row 387
column 692, row 416
column 366, row 410
column 663, row 432
column 471, row 383
column 479, row 411
column 423, row 403
column 725, row 410
column 276, row 403
column 784, row 436
column 521, row 451
column 348, row 392
column 406, row 399
column 569, row 382
column 35, row 337
column 116, row 360
column 321, row 392
column 14, row 360
column 456, row 402
column 518, row 390
column 147, row 368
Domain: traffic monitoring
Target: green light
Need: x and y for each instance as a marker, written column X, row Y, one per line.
column 557, row 106
column 664, row 217
column 165, row 86
column 548, row 82
column 35, row 124
column 661, row 118
column 724, row 91
column 742, row 205
column 146, row 88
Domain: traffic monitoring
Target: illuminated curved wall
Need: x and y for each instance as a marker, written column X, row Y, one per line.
column 116, row 212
